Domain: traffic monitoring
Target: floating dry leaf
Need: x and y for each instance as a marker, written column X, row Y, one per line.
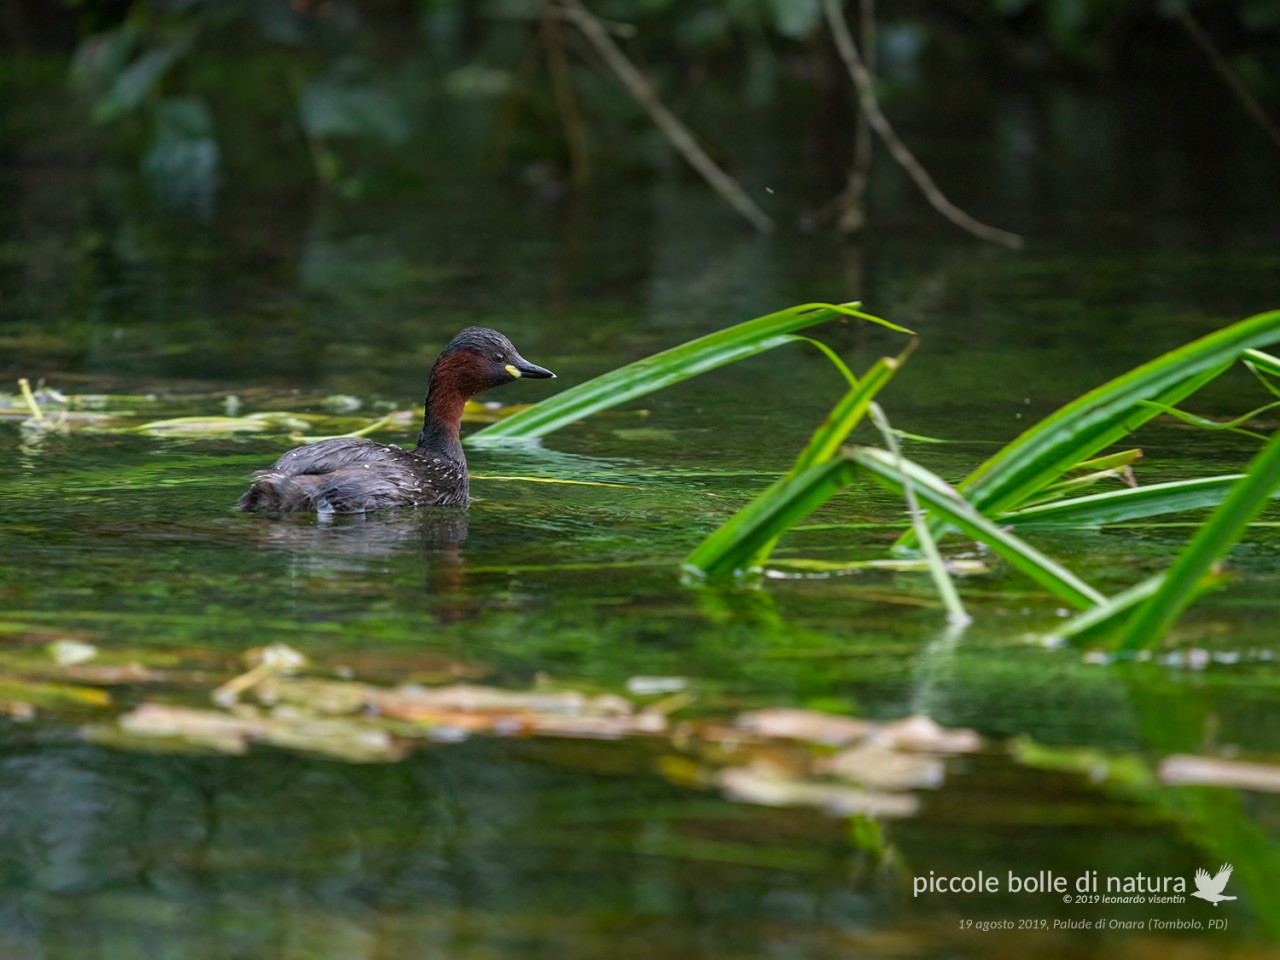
column 479, row 709
column 17, row 709
column 110, row 674
column 649, row 686
column 1187, row 770
column 67, row 653
column 781, row 757
column 352, row 739
column 208, row 728
column 763, row 784
column 646, row 722
column 276, row 658
column 776, row 757
column 52, row 695
column 922, row 734
column 413, row 702
column 880, row 767
column 317, row 695
column 205, row 426
column 807, row 725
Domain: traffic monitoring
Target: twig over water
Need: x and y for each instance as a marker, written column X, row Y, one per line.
column 1232, row 79
column 641, row 89
column 897, row 149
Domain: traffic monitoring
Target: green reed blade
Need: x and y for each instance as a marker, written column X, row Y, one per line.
column 847, row 414
column 1112, row 461
column 1104, row 617
column 956, row 613
column 1263, row 361
column 1103, row 468
column 744, row 541
column 1104, row 415
column 946, row 503
column 739, row 545
column 1134, row 503
column 1210, row 544
column 669, row 367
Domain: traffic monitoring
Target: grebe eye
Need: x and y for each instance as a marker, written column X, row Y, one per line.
column 498, row 358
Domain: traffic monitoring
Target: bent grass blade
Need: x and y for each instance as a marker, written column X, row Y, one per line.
column 1117, row 466
column 1262, row 361
column 669, row 367
column 956, row 613
column 1204, row 423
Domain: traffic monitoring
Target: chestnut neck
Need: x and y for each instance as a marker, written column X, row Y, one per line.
column 452, row 383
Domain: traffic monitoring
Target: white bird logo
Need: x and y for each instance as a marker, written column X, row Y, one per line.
column 1210, row 888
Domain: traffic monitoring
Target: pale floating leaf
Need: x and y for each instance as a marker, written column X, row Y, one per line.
column 68, row 653
column 760, row 784
column 879, row 767
column 209, row 728
column 920, row 733
column 649, row 686
column 1187, row 770
column 807, row 725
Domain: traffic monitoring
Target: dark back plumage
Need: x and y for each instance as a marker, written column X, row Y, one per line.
column 352, row 474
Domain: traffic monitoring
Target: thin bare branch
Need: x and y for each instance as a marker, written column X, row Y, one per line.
column 1232, row 79
column 861, row 78
column 852, row 203
column 641, row 89
column 575, row 137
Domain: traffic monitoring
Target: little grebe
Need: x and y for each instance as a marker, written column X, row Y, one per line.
column 352, row 475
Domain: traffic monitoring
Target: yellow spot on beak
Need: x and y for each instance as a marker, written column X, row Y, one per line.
column 511, row 369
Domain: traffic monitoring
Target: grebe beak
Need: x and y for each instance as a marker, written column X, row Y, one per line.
column 523, row 368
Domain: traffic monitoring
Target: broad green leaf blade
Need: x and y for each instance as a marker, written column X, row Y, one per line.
column 1212, row 541
column 1129, row 504
column 734, row 547
column 946, row 503
column 1104, row 415
column 669, row 367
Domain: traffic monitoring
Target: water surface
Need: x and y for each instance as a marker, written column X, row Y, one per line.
column 504, row 847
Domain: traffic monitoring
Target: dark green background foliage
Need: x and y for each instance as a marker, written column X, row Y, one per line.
column 349, row 93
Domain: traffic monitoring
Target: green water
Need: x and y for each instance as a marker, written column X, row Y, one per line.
column 566, row 848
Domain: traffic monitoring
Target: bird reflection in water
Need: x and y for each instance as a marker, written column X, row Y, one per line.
column 366, row 547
